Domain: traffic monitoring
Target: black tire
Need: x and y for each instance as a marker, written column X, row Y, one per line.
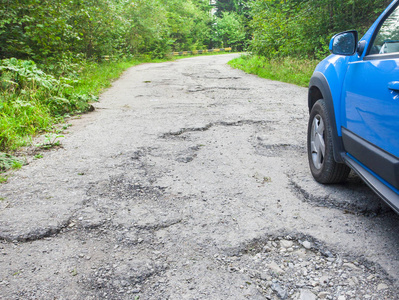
column 320, row 147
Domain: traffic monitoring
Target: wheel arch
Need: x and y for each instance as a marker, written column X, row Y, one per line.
column 320, row 89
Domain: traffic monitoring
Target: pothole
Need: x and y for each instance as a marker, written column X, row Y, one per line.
column 210, row 125
column 188, row 155
column 196, row 89
column 36, row 233
column 122, row 188
column 124, row 278
column 352, row 196
column 276, row 150
column 132, row 204
column 292, row 268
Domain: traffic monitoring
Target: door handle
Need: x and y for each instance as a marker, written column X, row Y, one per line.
column 393, row 85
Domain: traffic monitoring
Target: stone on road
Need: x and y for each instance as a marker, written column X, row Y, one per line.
column 190, row 181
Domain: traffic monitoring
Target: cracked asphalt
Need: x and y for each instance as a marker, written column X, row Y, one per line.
column 190, row 181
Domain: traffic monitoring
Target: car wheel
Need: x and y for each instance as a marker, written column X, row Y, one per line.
column 320, row 147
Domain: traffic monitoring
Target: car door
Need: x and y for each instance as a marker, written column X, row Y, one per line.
column 370, row 106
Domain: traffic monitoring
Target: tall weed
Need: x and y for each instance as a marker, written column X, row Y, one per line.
column 31, row 100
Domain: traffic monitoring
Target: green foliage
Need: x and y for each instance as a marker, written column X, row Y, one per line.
column 238, row 6
column 230, row 31
column 51, row 141
column 302, row 28
column 286, row 69
column 230, row 28
column 22, row 80
column 48, row 29
column 31, row 100
column 188, row 27
column 33, row 28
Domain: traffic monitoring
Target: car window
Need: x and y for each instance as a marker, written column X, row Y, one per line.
column 387, row 39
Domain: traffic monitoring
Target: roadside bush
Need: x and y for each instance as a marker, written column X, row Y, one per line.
column 24, row 81
column 31, row 100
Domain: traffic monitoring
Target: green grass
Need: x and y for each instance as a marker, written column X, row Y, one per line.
column 96, row 77
column 287, row 69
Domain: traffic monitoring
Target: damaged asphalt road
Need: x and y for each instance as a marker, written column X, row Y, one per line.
column 190, row 181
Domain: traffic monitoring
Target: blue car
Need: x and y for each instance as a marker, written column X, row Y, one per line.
column 354, row 109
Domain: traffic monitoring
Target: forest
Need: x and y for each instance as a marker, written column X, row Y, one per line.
column 47, row 30
column 56, row 55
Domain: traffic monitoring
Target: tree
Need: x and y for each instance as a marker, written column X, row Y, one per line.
column 189, row 25
column 229, row 31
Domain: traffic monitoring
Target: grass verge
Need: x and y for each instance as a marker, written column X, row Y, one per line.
column 287, row 69
column 96, row 77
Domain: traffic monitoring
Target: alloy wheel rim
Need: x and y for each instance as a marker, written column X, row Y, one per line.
column 317, row 143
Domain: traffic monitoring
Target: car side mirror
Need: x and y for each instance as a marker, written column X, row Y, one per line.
column 344, row 43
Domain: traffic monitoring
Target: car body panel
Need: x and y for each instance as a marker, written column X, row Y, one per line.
column 370, row 108
column 376, row 159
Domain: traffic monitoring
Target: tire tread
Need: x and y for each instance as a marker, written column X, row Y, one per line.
column 331, row 171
